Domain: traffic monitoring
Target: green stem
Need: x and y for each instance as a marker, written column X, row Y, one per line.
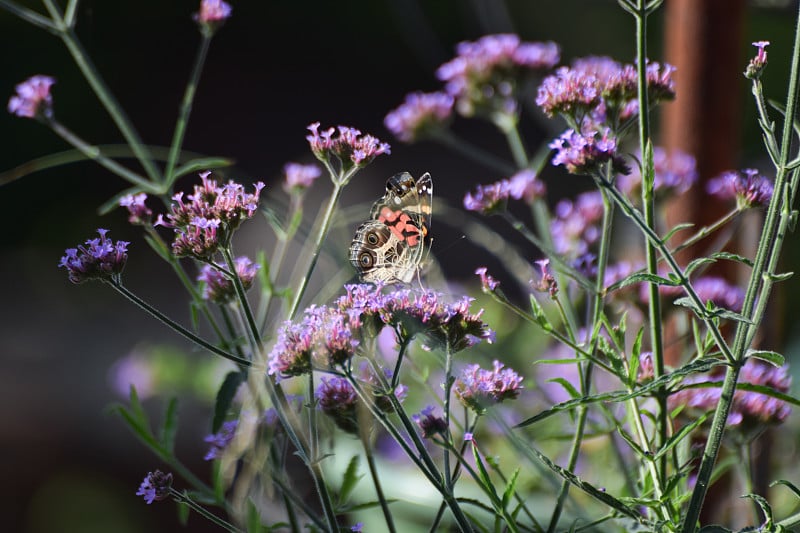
column 516, row 145
column 758, row 288
column 254, row 333
column 158, row 315
column 186, row 108
column 94, row 153
column 373, row 471
column 182, row 497
column 448, row 389
column 30, row 16
column 105, row 96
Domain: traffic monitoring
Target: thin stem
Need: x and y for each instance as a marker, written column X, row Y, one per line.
column 448, row 389
column 323, row 233
column 182, row 497
column 373, row 471
column 30, row 16
column 158, row 315
column 94, row 153
column 759, row 287
column 254, row 333
column 516, row 145
column 186, row 108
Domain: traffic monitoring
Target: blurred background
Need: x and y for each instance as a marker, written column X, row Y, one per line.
column 275, row 67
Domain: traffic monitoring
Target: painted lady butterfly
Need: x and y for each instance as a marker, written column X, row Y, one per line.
column 389, row 247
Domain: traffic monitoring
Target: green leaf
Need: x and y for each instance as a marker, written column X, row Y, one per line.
column 636, row 352
column 638, row 277
column 349, row 480
column 253, row 517
column 676, row 229
column 778, row 277
column 679, row 435
column 569, row 387
column 774, row 358
column 765, row 508
column 200, row 164
column 225, row 396
column 183, row 513
column 715, row 529
column 697, row 263
column 485, row 480
column 733, row 257
column 170, row 426
column 510, row 488
column 791, row 486
column 538, row 314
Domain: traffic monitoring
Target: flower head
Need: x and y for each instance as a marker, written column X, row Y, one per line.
column 749, row 188
column 484, row 74
column 220, row 440
column 338, row 399
column 492, row 198
column 210, row 216
column 758, row 63
column 585, row 153
column 155, row 487
column 212, row 14
column 488, row 283
column 219, row 288
column 430, row 424
column 33, row 98
column 344, row 146
column 299, row 177
column 478, row 388
column 547, row 282
column 420, row 115
column 138, row 212
column 101, row 259
column 568, row 92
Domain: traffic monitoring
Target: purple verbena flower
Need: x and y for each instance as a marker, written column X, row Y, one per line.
column 210, row 216
column 646, row 369
column 568, row 92
column 420, row 115
column 219, row 288
column 430, row 424
column 492, row 198
column 675, row 173
column 484, row 74
column 478, row 388
column 220, row 440
column 660, row 82
column 155, row 487
column 488, row 283
column 337, row 398
column 358, row 527
column 585, row 153
column 757, row 64
column 749, row 409
column 749, row 188
column 138, row 212
column 212, row 14
column 575, row 225
column 547, row 282
column 33, row 98
column 345, row 146
column 101, row 259
column 299, row 177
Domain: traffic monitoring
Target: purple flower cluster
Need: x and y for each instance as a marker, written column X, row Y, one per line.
column 478, row 388
column 220, row 440
column 420, row 115
column 212, row 12
column 600, row 82
column 749, row 188
column 585, row 153
column 757, row 64
column 138, row 213
column 219, row 288
column 347, row 146
column 575, row 225
column 209, row 218
column 749, row 408
column 155, row 487
column 484, row 73
column 337, row 398
column 299, row 177
column 101, row 259
column 675, row 173
column 430, row 424
column 329, row 336
column 492, row 198
column 33, row 98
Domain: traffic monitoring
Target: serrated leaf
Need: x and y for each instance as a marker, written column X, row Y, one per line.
column 697, row 263
column 791, row 486
column 732, row 257
column 676, row 229
column 774, row 358
column 632, row 443
column 508, row 493
column 569, row 387
column 679, row 435
column 170, row 426
column 639, row 277
column 636, row 352
column 224, row 398
column 765, row 508
column 349, row 480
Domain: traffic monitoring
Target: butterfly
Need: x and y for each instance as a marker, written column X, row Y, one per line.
column 389, row 247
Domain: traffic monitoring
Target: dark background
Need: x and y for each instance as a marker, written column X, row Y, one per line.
column 275, row 67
